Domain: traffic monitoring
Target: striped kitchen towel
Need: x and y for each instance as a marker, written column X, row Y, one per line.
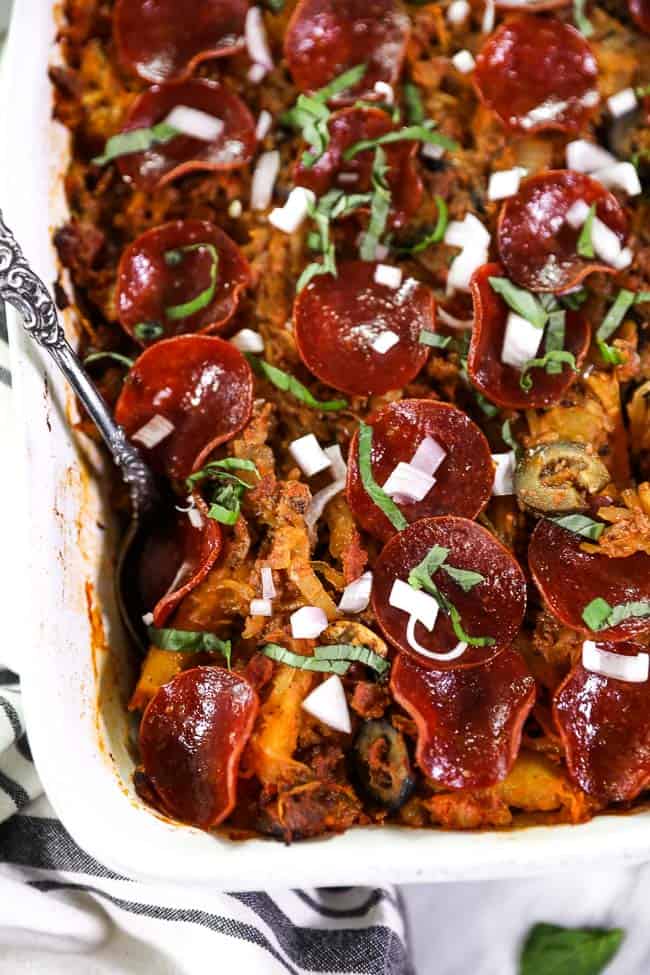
column 63, row 913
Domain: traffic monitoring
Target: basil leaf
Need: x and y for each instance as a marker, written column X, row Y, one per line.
column 433, row 339
column 462, row 635
column 220, row 469
column 189, row 641
column 507, row 435
column 610, row 355
column 420, row 575
column 580, row 18
column 560, row 356
column 137, row 140
column 348, row 79
column 414, row 107
column 436, row 234
column 283, row 656
column 575, row 300
column 419, row 133
column 352, row 652
column 465, row 578
column 585, row 245
column 554, row 340
column 638, row 609
column 596, row 613
column 523, row 302
column 580, row 525
column 392, row 110
column 316, row 268
column 289, row 384
column 372, row 489
column 202, row 300
column 379, row 207
column 118, row 357
column 144, row 331
column 624, row 301
column 553, row 950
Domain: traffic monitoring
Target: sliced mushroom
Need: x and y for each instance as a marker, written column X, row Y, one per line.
column 559, row 477
column 383, row 765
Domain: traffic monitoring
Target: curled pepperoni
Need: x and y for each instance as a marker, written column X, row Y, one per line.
column 337, row 320
column 201, row 385
column 538, row 73
column 167, row 267
column 165, row 161
column 163, row 40
column 494, row 607
column 569, row 579
column 469, row 721
column 640, row 12
column 191, row 739
column 332, row 171
column 501, row 383
column 605, row 728
column 539, row 249
column 326, row 37
column 463, row 481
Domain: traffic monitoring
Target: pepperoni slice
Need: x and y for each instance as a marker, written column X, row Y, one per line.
column 337, row 319
column 539, row 249
column 501, row 383
column 165, row 161
column 605, row 728
column 463, row 481
column 640, row 12
column 569, row 579
column 469, row 721
column 332, row 171
column 326, row 37
column 201, row 385
column 167, row 267
column 163, row 40
column 494, row 607
column 538, row 73
column 191, row 739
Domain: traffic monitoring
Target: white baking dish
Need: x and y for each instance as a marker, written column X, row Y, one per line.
column 68, row 665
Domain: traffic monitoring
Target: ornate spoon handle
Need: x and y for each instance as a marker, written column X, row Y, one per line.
column 23, row 289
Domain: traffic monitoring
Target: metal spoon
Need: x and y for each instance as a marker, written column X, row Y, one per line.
column 23, row 289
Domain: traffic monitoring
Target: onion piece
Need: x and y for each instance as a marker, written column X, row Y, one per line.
column 290, row 216
column 339, row 467
column 195, row 517
column 521, row 341
column 467, row 232
column 308, row 622
column 384, row 342
column 458, row 650
column 461, row 324
column 428, row 457
column 633, row 670
column 256, row 39
column 246, row 340
column 407, row 482
column 256, row 72
column 261, row 607
column 622, row 102
column 505, row 183
column 320, row 501
column 309, row 455
column 587, row 157
column 153, row 432
column 389, row 276
column 356, row 595
column 463, row 61
column 147, row 619
column 327, row 703
column 504, row 476
column 414, row 602
column 620, row 176
column 264, row 177
column 385, row 91
column 489, row 15
column 195, row 123
column 458, row 11
column 268, row 586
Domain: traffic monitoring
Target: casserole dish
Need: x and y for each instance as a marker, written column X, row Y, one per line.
column 75, row 668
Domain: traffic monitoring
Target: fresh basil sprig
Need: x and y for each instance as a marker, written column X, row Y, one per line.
column 522, row 302
column 580, row 19
column 137, row 140
column 189, row 641
column 289, row 384
column 553, row 950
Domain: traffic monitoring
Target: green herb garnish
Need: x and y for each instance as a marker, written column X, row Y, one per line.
column 227, row 497
column 465, row 578
column 189, row 641
column 289, row 384
column 334, row 659
column 553, row 950
column 507, row 435
column 433, row 339
column 580, row 18
column 574, row 301
column 436, row 234
column 523, row 302
column 310, row 114
column 557, row 356
column 351, row 652
column 137, row 140
column 123, row 360
column 147, row 331
column 554, row 340
column 598, row 614
column 414, row 108
column 202, row 300
column 585, row 246
column 420, row 577
column 416, row 133
column 377, row 494
column 379, row 207
column 580, row 525
column 610, row 355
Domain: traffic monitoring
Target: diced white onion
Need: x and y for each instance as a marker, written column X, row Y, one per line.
column 458, row 12
column 256, row 39
column 633, row 670
column 586, row 157
column 147, row 619
column 384, row 341
column 235, row 209
column 504, row 476
column 414, row 602
column 308, row 622
column 348, row 178
column 309, row 455
column 339, row 467
column 384, row 90
column 289, row 217
column 431, row 151
column 246, row 340
column 406, row 483
column 464, row 266
column 607, row 246
column 521, row 341
column 622, row 102
column 264, row 123
column 577, row 214
column 463, row 61
column 388, row 275
column 256, row 72
column 195, row 517
column 153, row 432
column 195, row 123
column 264, row 177
column 474, row 239
column 428, row 457
column 620, row 176
column 624, row 259
column 488, row 17
column 184, row 570
column 268, row 586
column 356, row 595
column 328, row 705
column 261, row 607
column 467, row 232
column 505, row 183
column 458, row 650
column 321, row 499
column 452, row 322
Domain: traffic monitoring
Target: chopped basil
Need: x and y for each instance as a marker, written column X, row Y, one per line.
column 392, row 110
column 553, row 950
column 585, row 245
column 316, row 268
column 277, row 6
column 146, row 331
column 373, row 490
column 217, row 469
column 137, row 140
column 414, row 107
column 420, row 133
column 559, row 356
column 554, row 340
column 202, row 300
column 225, row 504
column 610, row 355
column 436, row 234
column 522, row 302
column 189, row 641
column 348, row 79
column 580, row 525
column 379, row 207
column 283, row 656
column 289, row 384
column 574, row 300
column 465, row 578
column 124, row 360
column 351, row 652
column 329, row 207
column 596, row 612
column 420, row 575
column 434, row 339
column 623, row 302
column 507, row 435
column 310, row 114
column 580, row 18
column 637, row 609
